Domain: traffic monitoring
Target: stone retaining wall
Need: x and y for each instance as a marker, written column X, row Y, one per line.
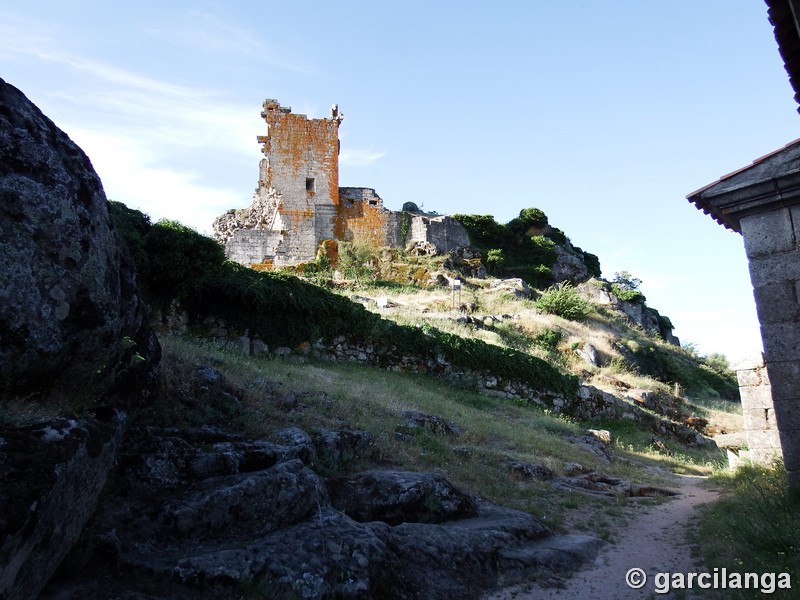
column 590, row 404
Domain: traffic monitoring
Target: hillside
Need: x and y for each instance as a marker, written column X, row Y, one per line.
column 583, row 327
column 495, row 403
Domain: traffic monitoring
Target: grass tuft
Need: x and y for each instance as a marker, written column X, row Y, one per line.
column 753, row 528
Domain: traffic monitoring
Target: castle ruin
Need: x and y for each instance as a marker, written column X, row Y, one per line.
column 298, row 202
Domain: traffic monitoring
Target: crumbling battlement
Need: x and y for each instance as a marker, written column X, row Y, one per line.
column 298, row 202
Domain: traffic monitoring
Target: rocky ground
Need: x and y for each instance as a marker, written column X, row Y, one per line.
column 204, row 513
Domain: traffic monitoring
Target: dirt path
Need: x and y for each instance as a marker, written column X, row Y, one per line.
column 654, row 541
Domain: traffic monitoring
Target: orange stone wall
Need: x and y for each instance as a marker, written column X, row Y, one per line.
column 301, row 164
column 361, row 216
column 298, row 202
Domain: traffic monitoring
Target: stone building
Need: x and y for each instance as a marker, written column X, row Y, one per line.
column 298, row 202
column 762, row 202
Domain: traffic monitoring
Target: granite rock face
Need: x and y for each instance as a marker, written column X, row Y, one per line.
column 208, row 514
column 71, row 317
column 51, row 476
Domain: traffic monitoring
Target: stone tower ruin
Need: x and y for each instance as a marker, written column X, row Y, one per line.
column 298, row 202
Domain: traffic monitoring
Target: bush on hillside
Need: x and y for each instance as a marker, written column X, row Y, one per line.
column 626, row 287
column 528, row 218
column 179, row 258
column 627, row 295
column 592, row 262
column 549, row 339
column 541, row 250
column 494, row 260
column 483, row 231
column 563, row 300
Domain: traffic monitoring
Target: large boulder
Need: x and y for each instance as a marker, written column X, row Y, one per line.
column 51, row 476
column 71, row 318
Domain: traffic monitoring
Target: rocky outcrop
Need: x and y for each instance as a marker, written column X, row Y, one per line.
column 207, row 514
column 636, row 311
column 396, row 497
column 568, row 266
column 70, row 314
column 51, row 476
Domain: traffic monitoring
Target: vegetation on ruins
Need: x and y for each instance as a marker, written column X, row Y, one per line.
column 285, row 310
column 527, row 244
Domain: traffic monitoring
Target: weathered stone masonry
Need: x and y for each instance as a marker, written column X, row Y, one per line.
column 762, row 202
column 298, row 202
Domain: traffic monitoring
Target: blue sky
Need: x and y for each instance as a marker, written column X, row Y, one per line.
column 603, row 113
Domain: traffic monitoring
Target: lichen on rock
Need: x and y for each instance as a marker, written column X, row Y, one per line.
column 71, row 319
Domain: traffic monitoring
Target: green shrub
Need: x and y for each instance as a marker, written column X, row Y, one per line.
column 356, row 260
column 626, row 287
column 538, row 276
column 179, row 258
column 562, row 300
column 665, row 325
column 549, row 339
column 132, row 226
column 592, row 262
column 541, row 251
column 528, row 217
column 494, row 260
column 626, row 294
column 483, row 231
column 753, row 528
column 558, row 236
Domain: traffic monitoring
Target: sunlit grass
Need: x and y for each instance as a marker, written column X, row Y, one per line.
column 496, row 431
column 754, row 527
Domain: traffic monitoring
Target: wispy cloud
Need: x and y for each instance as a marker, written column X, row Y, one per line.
column 211, row 32
column 354, row 157
column 156, row 144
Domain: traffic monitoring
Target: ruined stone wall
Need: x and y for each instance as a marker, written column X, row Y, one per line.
column 302, row 164
column 252, row 246
column 760, row 425
column 443, row 232
column 362, row 217
column 298, row 203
